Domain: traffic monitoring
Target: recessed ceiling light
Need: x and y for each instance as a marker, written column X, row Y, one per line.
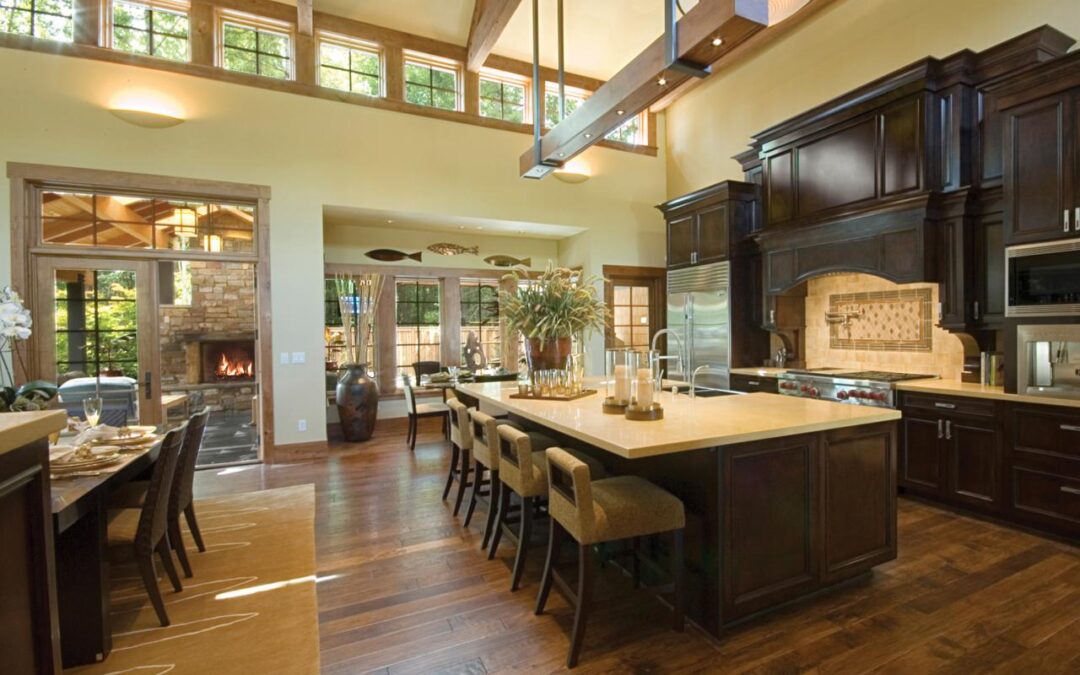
column 461, row 227
column 389, row 221
column 562, row 154
column 588, row 135
column 716, row 42
column 620, row 112
column 662, row 81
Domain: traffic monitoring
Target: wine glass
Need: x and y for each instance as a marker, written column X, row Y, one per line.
column 92, row 409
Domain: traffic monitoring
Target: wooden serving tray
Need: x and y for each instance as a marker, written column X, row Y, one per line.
column 582, row 394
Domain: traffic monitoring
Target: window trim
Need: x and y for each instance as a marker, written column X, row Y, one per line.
column 433, row 62
column 176, row 7
column 257, row 23
column 339, row 40
column 643, row 130
column 553, row 88
column 417, row 281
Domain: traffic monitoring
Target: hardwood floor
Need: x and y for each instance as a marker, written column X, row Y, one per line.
column 404, row 589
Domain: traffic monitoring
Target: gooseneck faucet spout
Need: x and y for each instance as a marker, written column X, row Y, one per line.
column 679, row 353
column 701, row 369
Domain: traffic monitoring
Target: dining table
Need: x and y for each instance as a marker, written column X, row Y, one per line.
column 80, row 536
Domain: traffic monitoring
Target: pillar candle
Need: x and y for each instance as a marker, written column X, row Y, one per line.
column 644, row 390
column 622, row 383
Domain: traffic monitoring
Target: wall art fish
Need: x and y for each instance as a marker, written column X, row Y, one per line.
column 443, row 248
column 507, row 261
column 390, row 255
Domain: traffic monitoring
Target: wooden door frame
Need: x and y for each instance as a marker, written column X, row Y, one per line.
column 44, row 356
column 653, row 277
column 26, row 247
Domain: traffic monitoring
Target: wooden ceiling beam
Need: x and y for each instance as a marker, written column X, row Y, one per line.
column 637, row 85
column 489, row 20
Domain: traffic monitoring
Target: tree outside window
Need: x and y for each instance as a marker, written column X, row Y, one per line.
column 256, row 51
column 48, row 19
column 154, row 31
column 431, row 85
column 419, row 333
column 502, row 100
column 97, row 323
column 632, row 131
column 348, row 68
column 574, row 98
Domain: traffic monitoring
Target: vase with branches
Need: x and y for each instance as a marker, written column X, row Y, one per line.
column 357, row 394
column 550, row 310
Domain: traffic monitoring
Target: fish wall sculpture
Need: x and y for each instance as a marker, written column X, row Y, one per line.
column 444, row 248
column 507, row 261
column 390, row 255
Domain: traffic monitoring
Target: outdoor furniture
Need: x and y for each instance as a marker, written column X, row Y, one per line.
column 118, row 396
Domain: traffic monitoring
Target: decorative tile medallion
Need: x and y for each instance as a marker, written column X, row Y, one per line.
column 884, row 321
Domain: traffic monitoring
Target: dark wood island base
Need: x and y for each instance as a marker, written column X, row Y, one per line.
column 773, row 521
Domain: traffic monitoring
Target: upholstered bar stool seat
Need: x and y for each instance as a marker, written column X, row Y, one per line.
column 523, row 470
column 461, row 442
column 486, row 457
column 595, row 512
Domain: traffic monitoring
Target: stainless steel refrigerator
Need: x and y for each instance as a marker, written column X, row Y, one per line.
column 699, row 312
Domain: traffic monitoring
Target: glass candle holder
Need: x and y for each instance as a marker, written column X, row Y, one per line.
column 620, row 365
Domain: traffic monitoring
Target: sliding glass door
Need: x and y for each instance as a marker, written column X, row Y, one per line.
column 98, row 321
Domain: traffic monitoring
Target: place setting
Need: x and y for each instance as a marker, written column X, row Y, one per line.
column 95, row 449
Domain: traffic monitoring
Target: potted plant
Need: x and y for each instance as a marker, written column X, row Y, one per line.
column 356, row 393
column 550, row 310
column 15, row 323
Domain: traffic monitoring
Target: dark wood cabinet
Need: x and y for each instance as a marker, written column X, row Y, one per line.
column 755, row 383
column 1044, row 467
column 1039, row 162
column 708, row 225
column 950, row 450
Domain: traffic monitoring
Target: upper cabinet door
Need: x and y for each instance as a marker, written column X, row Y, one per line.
column 712, row 234
column 1038, row 171
column 681, row 243
column 780, row 188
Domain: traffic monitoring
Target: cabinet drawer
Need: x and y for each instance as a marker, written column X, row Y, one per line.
column 1047, row 496
column 1042, row 432
column 950, row 404
column 769, row 385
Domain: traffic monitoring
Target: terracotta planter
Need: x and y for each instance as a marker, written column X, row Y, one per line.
column 548, row 354
column 357, row 398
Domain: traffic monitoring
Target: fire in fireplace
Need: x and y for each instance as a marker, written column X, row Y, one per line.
column 228, row 360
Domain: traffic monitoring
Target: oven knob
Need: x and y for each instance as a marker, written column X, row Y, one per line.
column 804, row 389
column 842, row 395
column 856, row 394
column 879, row 396
column 813, row 391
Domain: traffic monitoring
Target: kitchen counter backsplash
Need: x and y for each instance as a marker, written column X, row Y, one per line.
column 874, row 324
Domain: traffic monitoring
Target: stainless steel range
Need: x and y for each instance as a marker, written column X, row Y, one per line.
column 861, row 387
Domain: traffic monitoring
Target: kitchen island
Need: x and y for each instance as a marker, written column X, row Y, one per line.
column 784, row 496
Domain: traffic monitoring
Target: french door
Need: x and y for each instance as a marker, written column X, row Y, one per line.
column 96, row 325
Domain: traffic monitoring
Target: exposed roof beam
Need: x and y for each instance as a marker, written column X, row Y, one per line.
column 305, row 22
column 637, row 85
column 748, row 48
column 489, row 20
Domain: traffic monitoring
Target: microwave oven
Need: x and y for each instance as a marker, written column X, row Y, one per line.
column 1043, row 279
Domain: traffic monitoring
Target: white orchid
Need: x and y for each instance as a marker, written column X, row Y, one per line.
column 15, row 321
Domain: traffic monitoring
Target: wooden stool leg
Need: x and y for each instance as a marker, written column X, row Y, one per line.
column 463, row 481
column 411, row 435
column 584, row 592
column 454, row 452
column 679, row 602
column 478, row 480
column 524, row 534
column 504, row 509
column 554, row 543
column 493, row 508
column 637, row 561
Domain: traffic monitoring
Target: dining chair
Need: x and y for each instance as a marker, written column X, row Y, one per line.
column 419, row 411
column 180, row 497
column 150, row 533
column 421, row 368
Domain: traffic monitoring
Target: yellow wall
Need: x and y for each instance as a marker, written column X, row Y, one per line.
column 847, row 44
column 311, row 153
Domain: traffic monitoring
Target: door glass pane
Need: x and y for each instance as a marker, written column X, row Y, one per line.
column 630, row 317
column 97, row 342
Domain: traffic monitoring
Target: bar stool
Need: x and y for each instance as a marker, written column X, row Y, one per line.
column 485, row 437
column 523, row 470
column 461, row 443
column 624, row 507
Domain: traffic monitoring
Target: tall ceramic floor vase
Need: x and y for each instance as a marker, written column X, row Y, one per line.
column 357, row 398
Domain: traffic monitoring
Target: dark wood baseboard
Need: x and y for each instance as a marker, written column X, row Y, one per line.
column 296, row 452
column 385, row 428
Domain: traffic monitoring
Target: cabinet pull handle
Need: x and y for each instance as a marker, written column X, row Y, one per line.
column 772, row 316
column 941, row 428
column 976, row 310
column 1070, row 427
column 948, row 430
column 752, row 383
column 1065, row 220
column 1076, row 219
column 947, row 406
column 1070, row 490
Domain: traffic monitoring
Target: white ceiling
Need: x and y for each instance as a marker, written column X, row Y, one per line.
column 430, row 222
column 446, row 20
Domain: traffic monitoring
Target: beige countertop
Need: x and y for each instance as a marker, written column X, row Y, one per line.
column 19, row 428
column 759, row 372
column 688, row 424
column 954, row 388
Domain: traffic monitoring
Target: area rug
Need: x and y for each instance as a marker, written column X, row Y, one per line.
column 250, row 607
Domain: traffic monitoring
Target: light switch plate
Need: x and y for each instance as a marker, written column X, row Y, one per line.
column 301, row 425
column 284, row 358
column 298, row 357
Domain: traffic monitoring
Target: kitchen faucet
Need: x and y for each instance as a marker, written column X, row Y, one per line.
column 668, row 357
column 701, row 369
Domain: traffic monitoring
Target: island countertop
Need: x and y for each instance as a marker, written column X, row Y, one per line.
column 20, row 428
column 688, row 424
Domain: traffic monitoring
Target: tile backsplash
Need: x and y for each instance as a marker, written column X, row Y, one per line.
column 890, row 327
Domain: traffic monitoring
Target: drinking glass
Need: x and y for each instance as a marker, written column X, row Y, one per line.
column 92, row 409
column 453, row 370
